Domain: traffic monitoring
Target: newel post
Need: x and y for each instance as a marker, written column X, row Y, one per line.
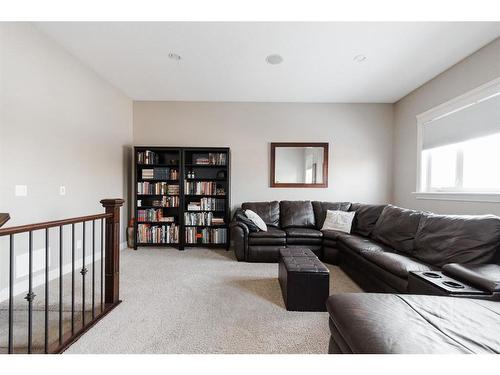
column 112, row 251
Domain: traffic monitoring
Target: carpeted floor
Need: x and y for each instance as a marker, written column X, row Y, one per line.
column 204, row 301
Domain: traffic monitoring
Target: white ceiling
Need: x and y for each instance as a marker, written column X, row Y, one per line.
column 226, row 61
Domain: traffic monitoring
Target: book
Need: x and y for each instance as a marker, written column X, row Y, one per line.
column 203, row 188
column 157, row 188
column 158, row 234
column 206, row 235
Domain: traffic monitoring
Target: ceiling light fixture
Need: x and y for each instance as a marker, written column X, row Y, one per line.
column 174, row 56
column 359, row 58
column 274, row 59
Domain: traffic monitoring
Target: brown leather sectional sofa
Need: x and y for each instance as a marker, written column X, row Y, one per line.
column 385, row 244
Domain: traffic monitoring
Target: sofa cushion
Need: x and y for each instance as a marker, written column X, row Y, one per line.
column 268, row 211
column 397, row 264
column 304, row 241
column 303, row 232
column 320, row 209
column 273, row 236
column 296, row 214
column 333, row 234
column 396, row 227
column 443, row 239
column 338, row 220
column 366, row 217
column 404, row 324
column 240, row 216
column 361, row 244
column 256, row 219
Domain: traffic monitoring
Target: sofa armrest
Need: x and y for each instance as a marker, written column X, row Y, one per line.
column 482, row 276
column 239, row 236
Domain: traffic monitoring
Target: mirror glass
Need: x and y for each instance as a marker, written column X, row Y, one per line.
column 301, row 165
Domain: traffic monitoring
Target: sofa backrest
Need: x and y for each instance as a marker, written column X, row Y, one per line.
column 297, row 214
column 366, row 217
column 397, row 227
column 268, row 211
column 443, row 239
column 320, row 209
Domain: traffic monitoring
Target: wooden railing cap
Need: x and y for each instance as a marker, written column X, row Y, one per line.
column 4, row 218
column 116, row 202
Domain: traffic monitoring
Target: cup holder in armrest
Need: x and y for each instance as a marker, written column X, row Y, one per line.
column 432, row 275
column 453, row 284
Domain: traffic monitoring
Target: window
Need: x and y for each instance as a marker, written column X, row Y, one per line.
column 470, row 166
column 459, row 144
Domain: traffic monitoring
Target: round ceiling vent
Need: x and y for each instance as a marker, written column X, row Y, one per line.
column 359, row 58
column 274, row 59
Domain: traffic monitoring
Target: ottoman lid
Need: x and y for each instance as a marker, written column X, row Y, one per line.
column 297, row 252
column 304, row 264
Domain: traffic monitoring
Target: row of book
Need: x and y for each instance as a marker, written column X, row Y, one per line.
column 206, row 235
column 202, row 218
column 157, row 188
column 148, row 157
column 170, row 201
column 153, row 215
column 203, row 188
column 147, row 233
column 160, row 174
column 214, row 158
column 207, row 204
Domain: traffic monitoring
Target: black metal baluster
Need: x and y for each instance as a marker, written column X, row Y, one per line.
column 11, row 294
column 102, row 265
column 60, row 285
column 93, row 269
column 46, row 290
column 30, row 296
column 72, row 279
column 83, row 272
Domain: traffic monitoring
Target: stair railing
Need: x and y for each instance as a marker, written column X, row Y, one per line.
column 109, row 274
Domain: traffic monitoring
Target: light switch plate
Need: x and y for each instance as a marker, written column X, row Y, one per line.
column 62, row 190
column 21, row 190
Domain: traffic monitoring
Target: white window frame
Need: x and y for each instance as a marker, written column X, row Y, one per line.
column 471, row 97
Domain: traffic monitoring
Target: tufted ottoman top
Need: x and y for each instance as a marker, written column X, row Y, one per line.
column 304, row 264
column 294, row 252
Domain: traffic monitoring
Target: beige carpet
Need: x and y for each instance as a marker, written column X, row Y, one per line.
column 204, row 301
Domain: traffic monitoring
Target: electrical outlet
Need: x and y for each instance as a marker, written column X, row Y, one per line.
column 62, row 190
column 21, row 191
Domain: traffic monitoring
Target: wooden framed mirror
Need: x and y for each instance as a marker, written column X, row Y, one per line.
column 299, row 165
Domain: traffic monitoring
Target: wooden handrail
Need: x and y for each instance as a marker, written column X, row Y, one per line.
column 109, row 270
column 4, row 218
column 52, row 224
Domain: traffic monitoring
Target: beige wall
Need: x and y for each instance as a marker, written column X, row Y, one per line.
column 360, row 137
column 60, row 124
column 479, row 68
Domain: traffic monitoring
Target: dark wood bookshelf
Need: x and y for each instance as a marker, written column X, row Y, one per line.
column 183, row 159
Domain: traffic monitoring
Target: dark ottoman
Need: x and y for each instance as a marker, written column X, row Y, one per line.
column 305, row 283
column 296, row 252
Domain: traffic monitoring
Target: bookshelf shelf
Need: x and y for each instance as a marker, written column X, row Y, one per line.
column 174, row 172
column 158, row 165
column 207, row 226
column 205, row 166
column 158, row 180
column 205, row 195
column 159, row 195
